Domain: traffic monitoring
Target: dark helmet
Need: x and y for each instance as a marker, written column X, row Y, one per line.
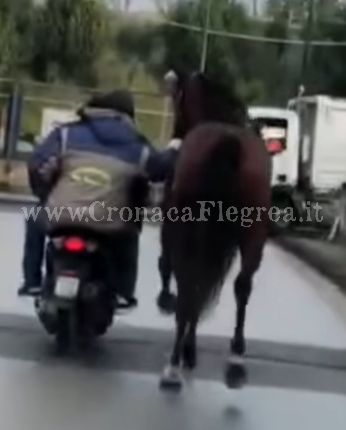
column 119, row 100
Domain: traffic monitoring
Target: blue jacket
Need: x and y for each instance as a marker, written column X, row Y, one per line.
column 99, row 161
column 112, row 137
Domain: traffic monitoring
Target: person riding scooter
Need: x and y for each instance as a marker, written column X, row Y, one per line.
column 104, row 144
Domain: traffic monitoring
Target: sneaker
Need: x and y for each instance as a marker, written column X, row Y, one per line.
column 126, row 302
column 29, row 290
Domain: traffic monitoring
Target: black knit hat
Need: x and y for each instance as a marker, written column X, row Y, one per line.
column 119, row 100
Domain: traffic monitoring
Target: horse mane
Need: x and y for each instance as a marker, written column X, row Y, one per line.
column 219, row 101
column 222, row 103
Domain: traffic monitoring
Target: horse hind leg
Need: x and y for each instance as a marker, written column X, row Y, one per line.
column 190, row 341
column 166, row 301
column 172, row 377
column 190, row 347
column 236, row 372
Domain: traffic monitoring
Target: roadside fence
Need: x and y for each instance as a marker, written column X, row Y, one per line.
column 339, row 225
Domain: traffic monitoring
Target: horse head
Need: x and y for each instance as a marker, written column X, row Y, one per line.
column 181, row 87
column 199, row 98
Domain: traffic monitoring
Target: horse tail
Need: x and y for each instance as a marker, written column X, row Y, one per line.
column 217, row 238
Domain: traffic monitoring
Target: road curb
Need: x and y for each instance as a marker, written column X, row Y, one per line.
column 17, row 198
column 323, row 266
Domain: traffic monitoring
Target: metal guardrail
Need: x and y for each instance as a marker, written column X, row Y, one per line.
column 75, row 105
column 88, row 90
column 158, row 129
column 339, row 225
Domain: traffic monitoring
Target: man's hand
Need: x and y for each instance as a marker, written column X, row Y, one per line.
column 175, row 144
column 170, row 82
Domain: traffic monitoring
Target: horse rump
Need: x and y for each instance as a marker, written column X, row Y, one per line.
column 205, row 247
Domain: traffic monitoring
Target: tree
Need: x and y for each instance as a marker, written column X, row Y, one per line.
column 328, row 64
column 254, row 65
column 16, row 24
column 67, row 38
column 313, row 20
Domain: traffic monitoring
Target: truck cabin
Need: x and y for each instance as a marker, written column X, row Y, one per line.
column 280, row 132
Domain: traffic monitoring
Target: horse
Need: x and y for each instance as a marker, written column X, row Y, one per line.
column 223, row 166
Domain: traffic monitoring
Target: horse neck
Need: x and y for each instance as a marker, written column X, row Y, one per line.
column 183, row 124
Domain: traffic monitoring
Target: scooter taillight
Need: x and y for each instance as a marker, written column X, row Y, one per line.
column 75, row 244
column 69, row 273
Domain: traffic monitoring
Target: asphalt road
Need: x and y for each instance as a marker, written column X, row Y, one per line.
column 297, row 356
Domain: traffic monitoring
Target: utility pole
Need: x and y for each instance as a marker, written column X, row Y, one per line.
column 255, row 8
column 206, row 26
column 307, row 45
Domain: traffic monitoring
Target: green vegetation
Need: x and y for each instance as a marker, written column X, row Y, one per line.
column 71, row 45
column 265, row 72
column 67, row 48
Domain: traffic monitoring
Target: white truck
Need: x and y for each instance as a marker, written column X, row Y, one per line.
column 322, row 154
column 280, row 131
column 323, row 141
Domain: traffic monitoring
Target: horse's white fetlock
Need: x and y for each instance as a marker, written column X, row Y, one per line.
column 172, row 377
column 235, row 372
column 234, row 359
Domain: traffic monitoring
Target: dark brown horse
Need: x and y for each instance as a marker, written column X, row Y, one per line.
column 221, row 178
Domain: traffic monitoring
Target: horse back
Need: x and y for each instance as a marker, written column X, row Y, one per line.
column 198, row 145
column 248, row 185
column 194, row 153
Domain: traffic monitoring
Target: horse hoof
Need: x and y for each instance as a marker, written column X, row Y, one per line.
column 171, row 378
column 166, row 303
column 235, row 373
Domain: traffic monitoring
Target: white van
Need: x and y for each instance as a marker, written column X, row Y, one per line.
column 280, row 131
column 323, row 124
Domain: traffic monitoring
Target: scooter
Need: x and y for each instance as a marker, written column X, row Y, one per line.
column 76, row 304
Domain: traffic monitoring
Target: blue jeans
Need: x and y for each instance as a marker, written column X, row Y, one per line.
column 34, row 253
